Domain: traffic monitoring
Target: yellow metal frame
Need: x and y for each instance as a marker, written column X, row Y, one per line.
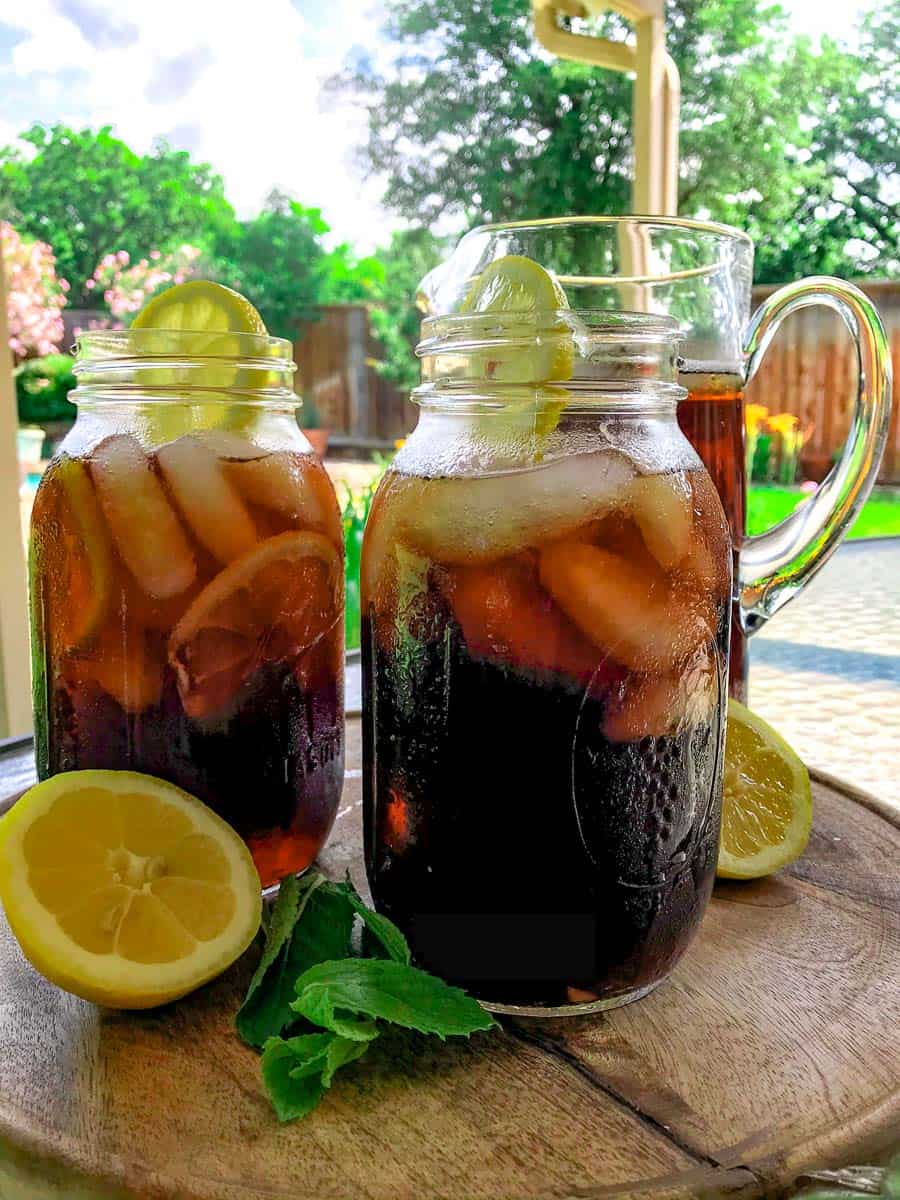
column 15, row 685
column 657, row 86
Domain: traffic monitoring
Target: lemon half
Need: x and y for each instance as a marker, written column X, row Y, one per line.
column 123, row 889
column 767, row 805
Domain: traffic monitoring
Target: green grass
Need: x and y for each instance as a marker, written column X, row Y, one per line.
column 768, row 504
column 355, row 509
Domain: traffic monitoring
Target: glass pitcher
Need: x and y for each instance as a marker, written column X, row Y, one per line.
column 546, row 582
column 187, row 584
column 701, row 274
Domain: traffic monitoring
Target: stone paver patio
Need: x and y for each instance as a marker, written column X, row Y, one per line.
column 826, row 669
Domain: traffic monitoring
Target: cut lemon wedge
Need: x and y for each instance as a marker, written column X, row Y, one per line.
column 767, row 808
column 73, row 550
column 123, row 889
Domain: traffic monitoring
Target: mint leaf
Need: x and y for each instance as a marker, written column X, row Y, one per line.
column 322, row 920
column 384, row 931
column 296, row 1071
column 332, row 992
column 279, row 928
column 340, row 1052
column 291, row 1097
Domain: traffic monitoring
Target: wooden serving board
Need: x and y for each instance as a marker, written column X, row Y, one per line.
column 772, row 1051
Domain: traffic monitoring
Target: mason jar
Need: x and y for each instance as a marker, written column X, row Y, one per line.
column 187, row 587
column 545, row 587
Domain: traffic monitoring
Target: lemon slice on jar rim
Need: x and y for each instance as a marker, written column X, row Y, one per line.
column 534, row 350
column 767, row 800
column 123, row 889
column 528, row 300
column 209, row 319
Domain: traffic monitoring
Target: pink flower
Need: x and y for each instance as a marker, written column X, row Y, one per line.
column 155, row 254
column 123, row 257
column 35, row 295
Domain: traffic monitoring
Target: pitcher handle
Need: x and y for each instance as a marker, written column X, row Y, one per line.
column 774, row 566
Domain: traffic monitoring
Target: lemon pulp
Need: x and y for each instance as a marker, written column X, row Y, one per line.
column 767, row 801
column 123, row 889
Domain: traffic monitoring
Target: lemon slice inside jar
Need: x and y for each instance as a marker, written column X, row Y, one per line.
column 532, row 347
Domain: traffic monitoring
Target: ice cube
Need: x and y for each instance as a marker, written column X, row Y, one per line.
column 505, row 615
column 143, row 524
column 126, row 664
column 288, row 484
column 226, row 444
column 663, row 705
column 661, row 506
column 210, row 505
column 469, row 520
column 634, row 614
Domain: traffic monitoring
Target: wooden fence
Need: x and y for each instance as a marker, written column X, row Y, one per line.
column 809, row 370
column 336, row 357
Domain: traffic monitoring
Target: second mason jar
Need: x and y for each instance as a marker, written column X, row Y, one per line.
column 546, row 588
column 187, row 587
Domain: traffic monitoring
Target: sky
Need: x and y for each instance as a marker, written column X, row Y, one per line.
column 237, row 83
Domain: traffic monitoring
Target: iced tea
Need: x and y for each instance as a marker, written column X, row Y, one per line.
column 187, row 601
column 712, row 419
column 544, row 654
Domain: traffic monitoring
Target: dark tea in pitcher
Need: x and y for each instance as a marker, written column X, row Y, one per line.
column 712, row 419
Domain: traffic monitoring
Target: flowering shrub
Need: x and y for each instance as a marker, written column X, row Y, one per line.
column 773, row 444
column 35, row 295
column 126, row 286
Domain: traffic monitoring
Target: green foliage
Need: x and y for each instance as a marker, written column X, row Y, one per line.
column 308, row 417
column 474, row 122
column 87, row 194
column 394, row 316
column 355, row 513
column 327, row 923
column 42, row 388
column 276, row 261
column 309, row 976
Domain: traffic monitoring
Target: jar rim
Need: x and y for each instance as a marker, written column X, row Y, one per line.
column 727, row 232
column 596, row 322
column 116, row 344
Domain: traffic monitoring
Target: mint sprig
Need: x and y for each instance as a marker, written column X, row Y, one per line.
column 312, row 921
column 336, row 1003
column 335, row 994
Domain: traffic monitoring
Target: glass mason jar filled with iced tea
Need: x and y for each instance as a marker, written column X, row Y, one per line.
column 187, row 586
column 546, row 589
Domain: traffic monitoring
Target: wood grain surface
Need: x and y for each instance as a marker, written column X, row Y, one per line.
column 772, row 1051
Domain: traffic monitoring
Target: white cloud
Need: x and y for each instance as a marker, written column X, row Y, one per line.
column 238, row 85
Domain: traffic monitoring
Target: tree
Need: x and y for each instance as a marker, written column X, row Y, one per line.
column 473, row 121
column 87, row 195
column 394, row 314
